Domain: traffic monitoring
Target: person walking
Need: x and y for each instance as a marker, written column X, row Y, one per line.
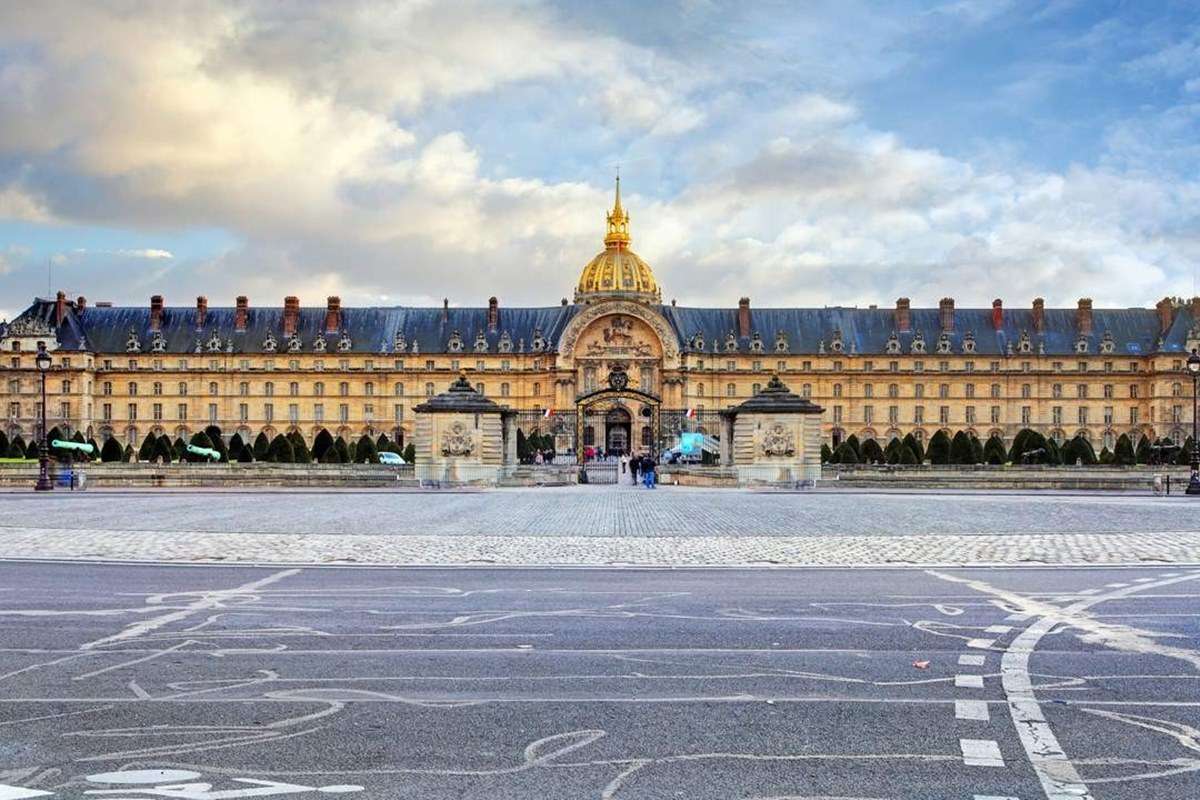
column 635, row 468
column 648, row 471
column 623, row 460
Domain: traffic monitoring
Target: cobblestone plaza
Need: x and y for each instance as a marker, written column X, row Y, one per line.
column 611, row 525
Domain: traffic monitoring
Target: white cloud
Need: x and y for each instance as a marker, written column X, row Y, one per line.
column 148, row 252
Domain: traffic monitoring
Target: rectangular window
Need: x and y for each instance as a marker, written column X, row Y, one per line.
column 293, row 413
column 868, row 390
column 156, row 411
column 343, row 413
column 837, row 413
column 1081, row 391
column 269, row 412
column 893, row 414
column 757, row 366
column 369, row 412
column 398, row 413
column 867, row 365
column 319, row 412
column 969, row 366
column 944, row 415
column 1176, row 413
column 1133, row 392
column 780, row 366
column 243, row 412
column 919, row 415
column 995, row 415
column 918, row 366
column 970, row 415
column 1134, row 417
column 1108, row 415
column 1108, row 391
column 132, row 411
column 970, row 390
column 212, row 413
column 1056, row 415
column 893, row 366
column 64, row 411
column 1083, row 415
column 182, row 412
column 1026, row 415
column 868, row 414
column 944, row 366
column 108, row 412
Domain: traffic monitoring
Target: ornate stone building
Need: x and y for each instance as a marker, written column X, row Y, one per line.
column 617, row 368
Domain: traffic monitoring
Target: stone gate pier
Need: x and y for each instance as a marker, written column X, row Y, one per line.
column 463, row 437
column 773, row 438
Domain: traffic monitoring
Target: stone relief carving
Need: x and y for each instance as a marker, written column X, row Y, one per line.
column 592, row 313
column 32, row 326
column 481, row 342
column 457, row 440
column 320, row 344
column 539, row 341
column 943, row 345
column 455, row 343
column 198, row 348
column 400, row 343
column 836, row 344
column 158, row 343
column 893, row 344
column 781, row 342
column 697, row 341
column 132, row 343
column 1107, row 345
column 214, row 343
column 270, row 344
column 1081, row 344
column 345, row 343
column 918, row 343
column 756, row 343
column 505, row 345
column 731, row 344
column 294, row 345
column 778, row 441
column 968, row 343
column 1023, row 343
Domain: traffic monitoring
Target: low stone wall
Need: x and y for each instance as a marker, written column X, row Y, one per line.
column 115, row 475
column 1099, row 478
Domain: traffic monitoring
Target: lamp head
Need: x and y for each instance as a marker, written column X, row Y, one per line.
column 1193, row 363
column 42, row 359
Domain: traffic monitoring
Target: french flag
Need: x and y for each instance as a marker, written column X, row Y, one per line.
column 548, row 413
column 691, row 413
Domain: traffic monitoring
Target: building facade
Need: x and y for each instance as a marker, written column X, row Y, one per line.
column 616, row 368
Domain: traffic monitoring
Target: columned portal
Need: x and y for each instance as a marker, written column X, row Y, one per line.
column 615, row 420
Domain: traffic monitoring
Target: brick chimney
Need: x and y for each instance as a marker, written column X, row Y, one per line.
column 1166, row 313
column 80, row 304
column 1039, row 315
column 333, row 314
column 493, row 317
column 903, row 317
column 445, row 309
column 998, row 314
column 201, row 311
column 156, row 312
column 744, row 317
column 240, row 314
column 291, row 314
column 1083, row 316
column 946, row 313
column 60, row 308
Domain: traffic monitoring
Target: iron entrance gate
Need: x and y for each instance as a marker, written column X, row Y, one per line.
column 602, row 472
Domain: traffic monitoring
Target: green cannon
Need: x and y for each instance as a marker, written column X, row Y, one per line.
column 60, row 444
column 207, row 452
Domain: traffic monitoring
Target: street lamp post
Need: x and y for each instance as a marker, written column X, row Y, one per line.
column 1193, row 368
column 42, row 360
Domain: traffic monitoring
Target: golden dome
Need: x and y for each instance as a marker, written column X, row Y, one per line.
column 618, row 272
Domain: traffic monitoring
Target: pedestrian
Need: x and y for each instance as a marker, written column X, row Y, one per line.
column 635, row 469
column 648, row 471
column 538, row 458
column 623, row 460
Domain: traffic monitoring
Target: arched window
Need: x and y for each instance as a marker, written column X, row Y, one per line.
column 1176, row 389
column 269, row 388
column 699, row 390
column 837, row 390
column 398, row 390
column 893, row 390
column 344, row 389
column 537, row 389
column 647, row 436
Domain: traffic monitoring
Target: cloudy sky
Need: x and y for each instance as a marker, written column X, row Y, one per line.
column 801, row 153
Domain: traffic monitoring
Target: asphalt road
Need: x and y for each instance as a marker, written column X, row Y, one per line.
column 225, row 682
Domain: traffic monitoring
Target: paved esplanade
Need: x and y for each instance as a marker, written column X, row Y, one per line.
column 603, row 525
column 226, row 682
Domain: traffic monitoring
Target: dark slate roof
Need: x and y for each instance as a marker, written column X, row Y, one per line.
column 102, row 329
column 1135, row 331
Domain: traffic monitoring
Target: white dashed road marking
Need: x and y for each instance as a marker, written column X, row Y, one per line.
column 981, row 644
column 971, row 660
column 1001, row 629
column 981, row 753
column 968, row 681
column 994, row 797
column 976, row 710
column 17, row 793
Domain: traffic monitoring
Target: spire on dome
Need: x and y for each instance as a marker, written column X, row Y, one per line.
column 618, row 222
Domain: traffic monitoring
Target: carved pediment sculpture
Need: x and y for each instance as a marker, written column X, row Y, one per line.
column 400, row 343
column 781, row 342
column 1023, row 343
column 345, row 343
column 731, row 344
column 918, row 343
column 1107, row 344
column 455, row 343
column 481, row 342
column 270, row 344
column 836, row 344
column 697, row 342
column 294, row 345
column 756, row 343
column 505, row 345
column 778, row 441
column 968, row 343
column 539, row 342
column 893, row 344
column 132, row 343
column 943, row 345
column 320, row 344
column 457, row 440
column 214, row 343
column 158, row 343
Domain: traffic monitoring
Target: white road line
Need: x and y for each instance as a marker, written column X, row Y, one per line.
column 1058, row 776
column 207, row 601
column 971, row 660
column 968, row 681
column 981, row 644
column 1016, row 618
column 981, row 753
column 972, row 709
column 17, row 793
column 1143, row 580
column 1087, row 592
column 1116, row 585
column 994, row 797
column 1001, row 629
